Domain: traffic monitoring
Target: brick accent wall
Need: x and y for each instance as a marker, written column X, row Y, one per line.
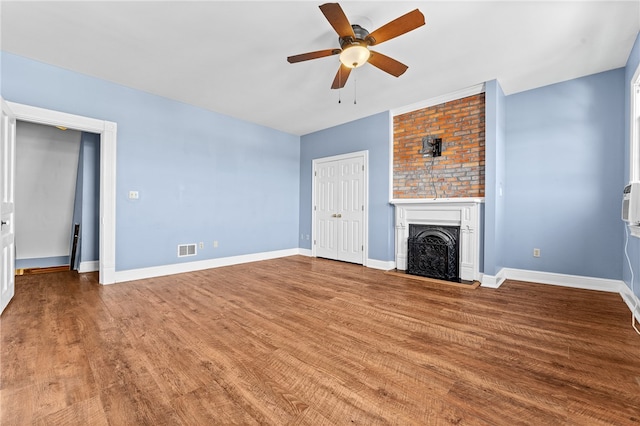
column 459, row 172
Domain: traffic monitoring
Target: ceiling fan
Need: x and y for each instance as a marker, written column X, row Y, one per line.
column 355, row 41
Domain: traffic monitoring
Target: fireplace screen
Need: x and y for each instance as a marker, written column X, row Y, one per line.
column 433, row 251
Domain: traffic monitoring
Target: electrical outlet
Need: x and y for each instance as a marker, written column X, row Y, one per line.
column 201, row 245
column 215, row 244
column 133, row 195
column 307, row 237
column 536, row 252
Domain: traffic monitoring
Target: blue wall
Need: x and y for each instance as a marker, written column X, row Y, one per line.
column 495, row 163
column 77, row 204
column 373, row 134
column 201, row 176
column 564, row 176
column 86, row 207
column 633, row 247
column 558, row 153
column 90, row 225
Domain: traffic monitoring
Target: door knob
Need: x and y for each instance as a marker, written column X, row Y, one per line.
column 334, row 215
column 338, row 215
column 2, row 222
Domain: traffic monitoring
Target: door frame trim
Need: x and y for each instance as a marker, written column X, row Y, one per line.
column 108, row 138
column 365, row 222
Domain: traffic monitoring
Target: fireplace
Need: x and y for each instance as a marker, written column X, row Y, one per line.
column 432, row 251
column 465, row 214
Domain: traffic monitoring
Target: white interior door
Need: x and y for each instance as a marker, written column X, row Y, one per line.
column 350, row 210
column 7, row 206
column 340, row 209
column 326, row 210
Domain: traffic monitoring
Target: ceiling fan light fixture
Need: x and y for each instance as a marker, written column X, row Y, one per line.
column 355, row 55
column 355, row 41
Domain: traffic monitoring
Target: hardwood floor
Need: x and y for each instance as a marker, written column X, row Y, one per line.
column 45, row 270
column 310, row 341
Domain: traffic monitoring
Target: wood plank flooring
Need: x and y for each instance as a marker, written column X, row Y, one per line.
column 45, row 270
column 311, row 342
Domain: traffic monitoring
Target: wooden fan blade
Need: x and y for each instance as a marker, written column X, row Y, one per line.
column 341, row 77
column 387, row 64
column 404, row 24
column 312, row 55
column 338, row 20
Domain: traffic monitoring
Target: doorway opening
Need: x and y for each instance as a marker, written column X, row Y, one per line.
column 108, row 138
column 57, row 190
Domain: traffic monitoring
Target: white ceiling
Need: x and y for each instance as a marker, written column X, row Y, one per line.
column 230, row 57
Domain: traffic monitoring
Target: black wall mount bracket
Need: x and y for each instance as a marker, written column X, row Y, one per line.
column 431, row 147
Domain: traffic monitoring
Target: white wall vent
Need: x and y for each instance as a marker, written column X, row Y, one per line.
column 187, row 250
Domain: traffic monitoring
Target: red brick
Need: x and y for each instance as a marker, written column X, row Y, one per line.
column 460, row 170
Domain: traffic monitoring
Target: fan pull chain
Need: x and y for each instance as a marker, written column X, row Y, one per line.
column 339, row 84
column 355, row 88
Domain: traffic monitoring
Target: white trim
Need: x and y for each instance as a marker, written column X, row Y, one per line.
column 49, row 117
column 632, row 301
column 391, row 146
column 493, row 281
column 108, row 139
column 180, row 268
column 365, row 233
column 564, row 280
column 634, row 138
column 91, row 266
column 461, row 200
column 447, row 97
column 461, row 212
column 575, row 281
column 305, row 252
column 385, row 265
column 107, row 253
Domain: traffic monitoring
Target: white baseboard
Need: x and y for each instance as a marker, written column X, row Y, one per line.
column 91, row 266
column 305, row 252
column 493, row 281
column 179, row 268
column 632, row 301
column 385, row 265
column 371, row 263
column 575, row 281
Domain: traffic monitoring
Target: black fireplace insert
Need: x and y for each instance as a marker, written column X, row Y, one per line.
column 433, row 251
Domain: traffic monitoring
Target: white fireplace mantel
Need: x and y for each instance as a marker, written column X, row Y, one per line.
column 462, row 212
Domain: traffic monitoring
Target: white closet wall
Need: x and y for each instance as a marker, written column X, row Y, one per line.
column 46, row 168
